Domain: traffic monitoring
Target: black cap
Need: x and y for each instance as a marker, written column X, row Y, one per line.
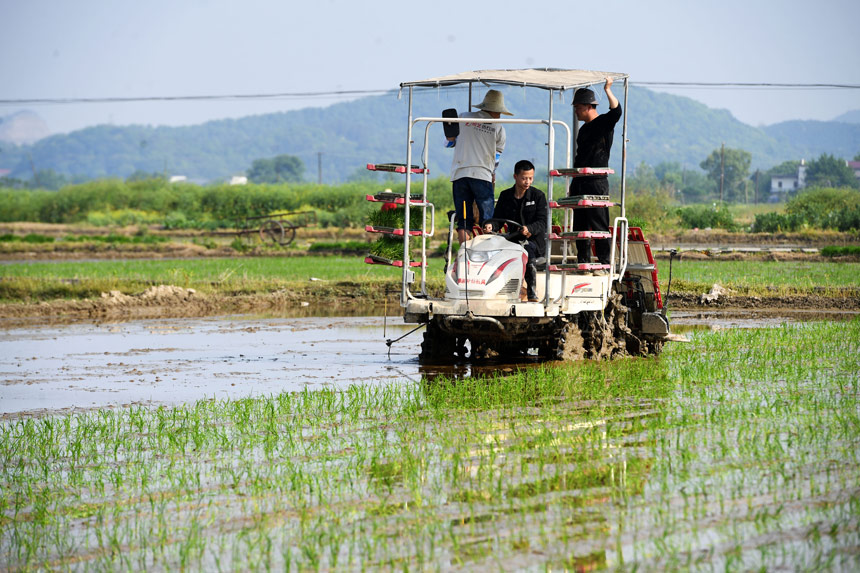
column 584, row 96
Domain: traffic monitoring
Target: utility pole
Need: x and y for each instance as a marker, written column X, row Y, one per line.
column 33, row 168
column 319, row 166
column 755, row 191
column 722, row 168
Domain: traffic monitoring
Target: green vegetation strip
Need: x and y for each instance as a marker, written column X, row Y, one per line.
column 245, row 275
column 849, row 250
column 738, row 451
column 764, row 277
column 249, row 275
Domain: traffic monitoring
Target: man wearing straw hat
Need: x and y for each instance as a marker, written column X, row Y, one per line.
column 476, row 155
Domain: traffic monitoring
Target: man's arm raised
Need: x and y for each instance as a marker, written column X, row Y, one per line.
column 613, row 101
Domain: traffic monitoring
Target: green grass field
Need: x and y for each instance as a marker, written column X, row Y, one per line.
column 757, row 277
column 43, row 280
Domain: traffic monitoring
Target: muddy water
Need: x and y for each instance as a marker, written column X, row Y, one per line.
column 181, row 360
column 49, row 368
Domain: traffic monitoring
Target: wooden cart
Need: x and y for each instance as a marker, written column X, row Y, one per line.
column 279, row 228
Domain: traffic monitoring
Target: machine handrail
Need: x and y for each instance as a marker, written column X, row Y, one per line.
column 620, row 235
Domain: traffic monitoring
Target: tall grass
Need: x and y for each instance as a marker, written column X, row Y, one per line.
column 113, row 201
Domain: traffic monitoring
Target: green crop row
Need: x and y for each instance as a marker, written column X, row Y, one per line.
column 833, row 251
column 111, row 238
column 737, row 451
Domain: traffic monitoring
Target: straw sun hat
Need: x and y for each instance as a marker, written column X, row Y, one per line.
column 494, row 101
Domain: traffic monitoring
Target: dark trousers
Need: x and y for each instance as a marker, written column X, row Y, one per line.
column 593, row 219
column 531, row 271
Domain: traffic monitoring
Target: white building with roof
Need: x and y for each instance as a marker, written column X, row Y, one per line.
column 782, row 184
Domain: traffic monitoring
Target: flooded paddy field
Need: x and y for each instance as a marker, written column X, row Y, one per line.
column 298, row 443
column 168, row 362
column 81, row 366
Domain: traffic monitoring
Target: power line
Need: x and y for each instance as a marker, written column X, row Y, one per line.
column 349, row 93
column 751, row 85
column 343, row 93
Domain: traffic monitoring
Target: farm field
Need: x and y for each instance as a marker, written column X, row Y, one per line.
column 736, row 451
column 82, row 279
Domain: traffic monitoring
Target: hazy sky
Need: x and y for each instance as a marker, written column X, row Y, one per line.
column 120, row 48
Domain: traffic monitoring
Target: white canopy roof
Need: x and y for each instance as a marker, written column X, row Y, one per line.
column 545, row 78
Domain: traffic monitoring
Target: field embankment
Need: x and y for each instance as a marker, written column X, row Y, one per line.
column 86, row 290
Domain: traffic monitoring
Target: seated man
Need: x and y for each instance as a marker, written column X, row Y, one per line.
column 527, row 206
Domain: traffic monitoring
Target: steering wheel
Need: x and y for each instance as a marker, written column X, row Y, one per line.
column 505, row 221
column 509, row 223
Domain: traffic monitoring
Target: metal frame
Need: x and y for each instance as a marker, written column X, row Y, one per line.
column 619, row 224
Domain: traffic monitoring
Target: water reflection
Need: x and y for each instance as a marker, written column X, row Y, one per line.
column 102, row 364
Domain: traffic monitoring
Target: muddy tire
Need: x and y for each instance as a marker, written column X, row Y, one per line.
column 437, row 346
column 567, row 344
column 607, row 335
column 637, row 343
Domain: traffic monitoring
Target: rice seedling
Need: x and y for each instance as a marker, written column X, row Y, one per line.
column 737, row 451
column 396, row 218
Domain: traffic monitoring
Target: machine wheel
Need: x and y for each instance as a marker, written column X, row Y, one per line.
column 567, row 344
column 272, row 231
column 289, row 233
column 638, row 344
column 606, row 334
column 437, row 345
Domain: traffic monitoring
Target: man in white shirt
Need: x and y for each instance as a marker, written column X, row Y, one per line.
column 476, row 155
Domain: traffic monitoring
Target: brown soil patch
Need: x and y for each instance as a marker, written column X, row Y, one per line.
column 791, row 302
column 167, row 301
column 815, row 239
column 777, row 256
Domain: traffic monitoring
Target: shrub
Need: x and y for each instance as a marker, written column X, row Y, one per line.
column 776, row 223
column 113, row 239
column 34, row 238
column 832, row 251
column 239, row 245
column 122, row 217
column 343, row 246
column 706, row 217
column 113, row 201
column 638, row 222
column 827, row 208
column 651, row 210
column 849, row 219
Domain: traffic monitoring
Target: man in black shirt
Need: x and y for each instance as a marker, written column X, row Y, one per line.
column 526, row 205
column 592, row 150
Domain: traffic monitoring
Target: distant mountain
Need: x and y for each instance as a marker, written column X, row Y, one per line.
column 346, row 136
column 23, row 128
column 852, row 116
column 812, row 138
